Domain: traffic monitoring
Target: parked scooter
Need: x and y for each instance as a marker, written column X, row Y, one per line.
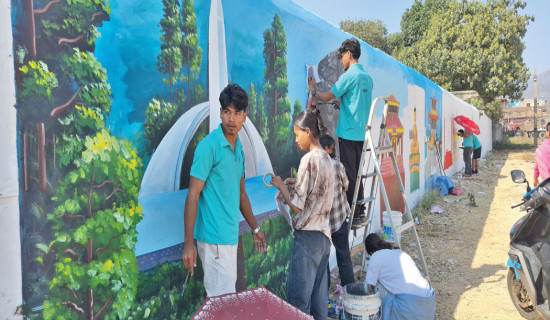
column 529, row 255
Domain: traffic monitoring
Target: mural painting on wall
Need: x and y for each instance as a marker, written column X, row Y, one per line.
column 88, row 247
column 414, row 159
column 391, row 183
column 433, row 142
column 110, row 110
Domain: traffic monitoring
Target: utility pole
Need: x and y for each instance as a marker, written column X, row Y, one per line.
column 535, row 107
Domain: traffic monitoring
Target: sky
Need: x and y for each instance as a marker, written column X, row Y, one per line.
column 537, row 40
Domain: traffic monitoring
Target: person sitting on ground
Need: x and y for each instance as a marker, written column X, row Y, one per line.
column 405, row 294
column 542, row 158
column 476, row 155
column 339, row 215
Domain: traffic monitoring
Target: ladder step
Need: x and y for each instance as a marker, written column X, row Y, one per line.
column 366, row 200
column 384, row 149
column 369, row 175
column 404, row 227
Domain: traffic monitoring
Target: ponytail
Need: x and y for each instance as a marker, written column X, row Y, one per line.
column 373, row 243
column 311, row 120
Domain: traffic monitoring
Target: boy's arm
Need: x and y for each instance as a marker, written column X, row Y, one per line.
column 323, row 96
column 190, row 216
column 246, row 211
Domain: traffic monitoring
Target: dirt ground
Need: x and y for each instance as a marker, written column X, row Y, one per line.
column 466, row 247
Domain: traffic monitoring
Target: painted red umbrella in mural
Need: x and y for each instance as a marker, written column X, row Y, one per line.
column 257, row 303
column 467, row 123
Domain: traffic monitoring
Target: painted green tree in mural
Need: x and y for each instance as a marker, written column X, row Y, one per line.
column 191, row 55
column 159, row 118
column 252, row 109
column 79, row 191
column 94, row 223
column 277, row 103
column 170, row 57
column 262, row 119
column 275, row 72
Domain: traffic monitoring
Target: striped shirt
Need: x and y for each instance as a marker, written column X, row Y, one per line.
column 340, row 206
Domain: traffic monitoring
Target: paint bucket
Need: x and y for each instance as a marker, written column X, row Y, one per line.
column 397, row 219
column 360, row 303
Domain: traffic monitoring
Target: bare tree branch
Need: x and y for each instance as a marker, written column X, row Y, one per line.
column 114, row 191
column 102, row 311
column 70, row 41
column 58, row 110
column 108, row 244
column 38, row 12
column 73, row 306
column 74, row 294
column 95, row 15
column 71, row 251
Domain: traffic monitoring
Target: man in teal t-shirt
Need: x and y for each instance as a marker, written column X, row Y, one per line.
column 467, row 144
column 354, row 88
column 215, row 197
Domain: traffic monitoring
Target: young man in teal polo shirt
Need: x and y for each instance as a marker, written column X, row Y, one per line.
column 216, row 195
column 354, row 88
column 467, row 144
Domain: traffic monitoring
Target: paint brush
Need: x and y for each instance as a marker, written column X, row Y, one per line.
column 185, row 284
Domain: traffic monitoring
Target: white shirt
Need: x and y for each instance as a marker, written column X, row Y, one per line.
column 397, row 272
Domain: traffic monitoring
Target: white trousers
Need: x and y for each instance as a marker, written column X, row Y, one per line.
column 219, row 263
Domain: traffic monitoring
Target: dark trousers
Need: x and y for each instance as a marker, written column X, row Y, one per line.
column 467, row 157
column 350, row 156
column 307, row 280
column 340, row 240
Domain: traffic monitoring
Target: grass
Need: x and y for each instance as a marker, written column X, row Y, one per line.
column 515, row 143
column 426, row 203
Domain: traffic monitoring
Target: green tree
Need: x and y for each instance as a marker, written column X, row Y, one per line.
column 373, row 32
column 252, row 105
column 262, row 119
column 191, row 52
column 416, row 20
column 297, row 110
column 170, row 57
column 275, row 72
column 494, row 110
column 277, row 103
column 474, row 46
column 94, row 224
column 82, row 218
column 159, row 118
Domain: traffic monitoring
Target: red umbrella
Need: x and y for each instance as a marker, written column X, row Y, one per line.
column 467, row 123
column 257, row 303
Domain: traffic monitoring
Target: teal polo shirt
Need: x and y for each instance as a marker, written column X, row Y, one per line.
column 468, row 141
column 354, row 88
column 477, row 144
column 221, row 168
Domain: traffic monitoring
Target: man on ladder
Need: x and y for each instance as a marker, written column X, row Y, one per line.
column 354, row 88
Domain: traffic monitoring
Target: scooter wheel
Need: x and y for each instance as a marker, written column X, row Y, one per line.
column 520, row 297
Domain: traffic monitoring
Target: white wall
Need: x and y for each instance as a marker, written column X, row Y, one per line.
column 10, row 248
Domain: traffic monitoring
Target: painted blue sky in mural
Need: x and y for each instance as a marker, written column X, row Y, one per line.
column 129, row 46
column 128, row 49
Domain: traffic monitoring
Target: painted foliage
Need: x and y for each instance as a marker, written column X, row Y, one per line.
column 112, row 99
